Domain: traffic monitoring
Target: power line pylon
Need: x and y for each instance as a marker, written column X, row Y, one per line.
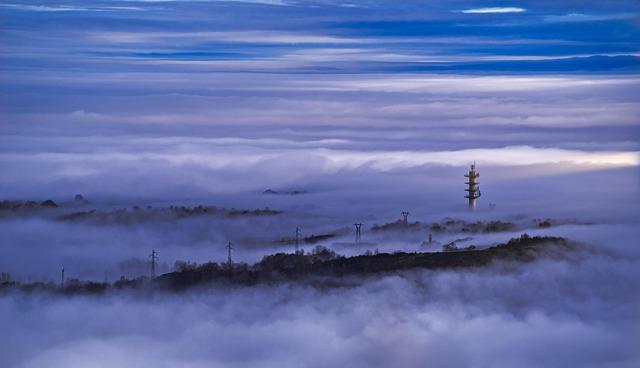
column 405, row 215
column 229, row 248
column 358, row 232
column 154, row 258
column 297, row 239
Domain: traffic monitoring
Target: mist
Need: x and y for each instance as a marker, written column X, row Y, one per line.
column 131, row 129
column 548, row 313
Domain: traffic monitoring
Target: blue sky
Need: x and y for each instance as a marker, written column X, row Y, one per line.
column 91, row 87
column 321, row 36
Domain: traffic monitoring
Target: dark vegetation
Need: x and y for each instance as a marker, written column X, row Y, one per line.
column 314, row 238
column 148, row 213
column 323, row 262
column 320, row 264
column 133, row 214
column 447, row 225
column 291, row 192
column 8, row 205
column 544, row 223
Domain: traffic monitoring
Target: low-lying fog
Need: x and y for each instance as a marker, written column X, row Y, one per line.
column 579, row 311
column 36, row 244
column 353, row 111
column 582, row 311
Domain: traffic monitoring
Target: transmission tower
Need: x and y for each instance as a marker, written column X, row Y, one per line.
column 229, row 248
column 405, row 214
column 154, row 258
column 297, row 239
column 473, row 189
column 358, row 232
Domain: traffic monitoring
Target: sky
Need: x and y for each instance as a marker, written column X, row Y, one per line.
column 96, row 89
column 369, row 108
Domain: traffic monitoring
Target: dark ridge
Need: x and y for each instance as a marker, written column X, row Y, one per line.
column 324, row 262
column 10, row 205
column 322, row 266
column 447, row 224
column 291, row 192
column 137, row 214
column 398, row 226
column 134, row 214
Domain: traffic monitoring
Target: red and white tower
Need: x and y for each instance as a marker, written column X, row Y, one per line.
column 473, row 189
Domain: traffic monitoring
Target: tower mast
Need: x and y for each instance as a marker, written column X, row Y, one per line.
column 229, row 248
column 154, row 258
column 297, row 239
column 473, row 188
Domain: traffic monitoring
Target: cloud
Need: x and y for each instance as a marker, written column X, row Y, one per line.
column 370, row 111
column 500, row 316
column 493, row 10
column 262, row 36
column 69, row 8
column 580, row 17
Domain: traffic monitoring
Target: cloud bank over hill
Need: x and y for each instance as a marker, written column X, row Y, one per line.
column 549, row 313
column 363, row 109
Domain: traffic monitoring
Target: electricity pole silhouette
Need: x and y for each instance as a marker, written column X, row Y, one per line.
column 154, row 258
column 229, row 248
column 358, row 233
column 297, row 239
column 405, row 214
column 62, row 278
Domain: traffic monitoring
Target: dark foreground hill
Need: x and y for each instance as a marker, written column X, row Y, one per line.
column 326, row 263
column 321, row 263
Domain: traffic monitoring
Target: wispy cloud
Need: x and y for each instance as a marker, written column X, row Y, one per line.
column 580, row 17
column 494, row 10
column 67, row 8
column 263, row 37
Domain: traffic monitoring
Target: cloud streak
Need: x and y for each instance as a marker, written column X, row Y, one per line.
column 493, row 10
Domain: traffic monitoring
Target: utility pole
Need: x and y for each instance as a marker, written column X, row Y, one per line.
column 154, row 258
column 405, row 214
column 358, row 232
column 473, row 189
column 229, row 248
column 62, row 278
column 297, row 239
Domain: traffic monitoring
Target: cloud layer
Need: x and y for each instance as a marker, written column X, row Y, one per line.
column 370, row 108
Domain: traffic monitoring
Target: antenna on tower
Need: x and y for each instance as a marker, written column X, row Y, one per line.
column 405, row 214
column 297, row 239
column 473, row 188
column 229, row 248
column 358, row 232
column 154, row 258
